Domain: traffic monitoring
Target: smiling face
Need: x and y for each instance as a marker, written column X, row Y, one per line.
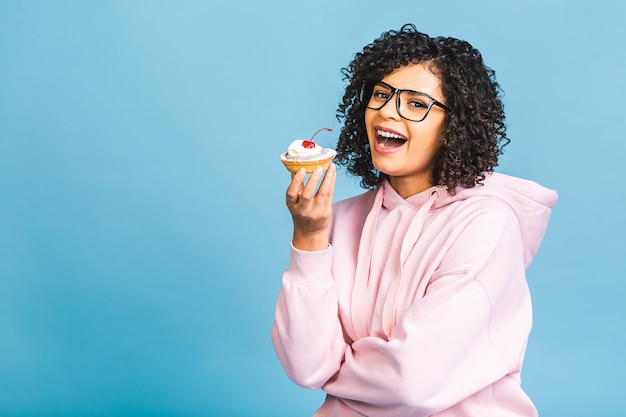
column 404, row 150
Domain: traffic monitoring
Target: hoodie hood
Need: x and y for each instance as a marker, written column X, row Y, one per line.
column 531, row 202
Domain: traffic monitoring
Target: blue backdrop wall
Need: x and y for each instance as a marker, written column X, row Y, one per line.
column 142, row 221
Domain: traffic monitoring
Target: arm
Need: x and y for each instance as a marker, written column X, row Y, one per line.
column 307, row 334
column 467, row 332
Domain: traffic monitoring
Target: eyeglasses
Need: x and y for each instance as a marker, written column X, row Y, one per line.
column 411, row 105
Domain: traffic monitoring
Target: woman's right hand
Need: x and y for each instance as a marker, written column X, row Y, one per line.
column 311, row 211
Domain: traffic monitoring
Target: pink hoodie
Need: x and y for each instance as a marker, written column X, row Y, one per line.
column 418, row 307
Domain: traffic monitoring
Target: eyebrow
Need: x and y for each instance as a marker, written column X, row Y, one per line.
column 416, row 92
column 412, row 90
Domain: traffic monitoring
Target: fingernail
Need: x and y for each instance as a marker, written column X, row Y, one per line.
column 318, row 171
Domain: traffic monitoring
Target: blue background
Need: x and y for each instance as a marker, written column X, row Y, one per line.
column 142, row 220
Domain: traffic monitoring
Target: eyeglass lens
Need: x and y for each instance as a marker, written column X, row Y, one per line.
column 413, row 105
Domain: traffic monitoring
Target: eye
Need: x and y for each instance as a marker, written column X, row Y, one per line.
column 380, row 94
column 418, row 104
column 415, row 100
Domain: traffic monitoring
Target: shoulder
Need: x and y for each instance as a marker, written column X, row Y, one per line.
column 480, row 207
column 477, row 230
column 484, row 219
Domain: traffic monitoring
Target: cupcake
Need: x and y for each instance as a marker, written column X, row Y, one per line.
column 307, row 154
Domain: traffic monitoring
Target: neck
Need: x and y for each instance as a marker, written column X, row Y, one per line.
column 406, row 187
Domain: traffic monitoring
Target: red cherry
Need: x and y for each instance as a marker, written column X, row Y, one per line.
column 309, row 144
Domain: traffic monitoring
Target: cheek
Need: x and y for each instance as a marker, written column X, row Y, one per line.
column 369, row 115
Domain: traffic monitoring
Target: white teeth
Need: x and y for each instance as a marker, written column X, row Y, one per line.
column 389, row 135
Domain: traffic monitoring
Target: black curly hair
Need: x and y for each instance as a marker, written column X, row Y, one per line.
column 474, row 132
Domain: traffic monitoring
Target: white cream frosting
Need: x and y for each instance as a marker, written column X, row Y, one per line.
column 296, row 151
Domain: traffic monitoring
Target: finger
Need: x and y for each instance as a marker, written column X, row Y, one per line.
column 308, row 192
column 294, row 190
column 327, row 188
column 293, row 174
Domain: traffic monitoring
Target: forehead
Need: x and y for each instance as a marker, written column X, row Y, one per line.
column 416, row 77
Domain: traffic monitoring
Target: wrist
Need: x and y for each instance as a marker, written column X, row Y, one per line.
column 310, row 241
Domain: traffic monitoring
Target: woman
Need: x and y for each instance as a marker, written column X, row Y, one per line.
column 411, row 299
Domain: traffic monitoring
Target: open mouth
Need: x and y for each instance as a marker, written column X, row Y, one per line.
column 389, row 140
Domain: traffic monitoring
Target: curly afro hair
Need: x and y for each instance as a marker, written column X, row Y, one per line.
column 474, row 132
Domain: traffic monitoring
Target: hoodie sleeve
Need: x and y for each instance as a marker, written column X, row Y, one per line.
column 468, row 331
column 306, row 333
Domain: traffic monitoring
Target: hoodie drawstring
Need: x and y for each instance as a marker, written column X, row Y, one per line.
column 362, row 273
column 411, row 237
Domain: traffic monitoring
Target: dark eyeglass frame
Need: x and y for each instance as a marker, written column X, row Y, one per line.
column 397, row 92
